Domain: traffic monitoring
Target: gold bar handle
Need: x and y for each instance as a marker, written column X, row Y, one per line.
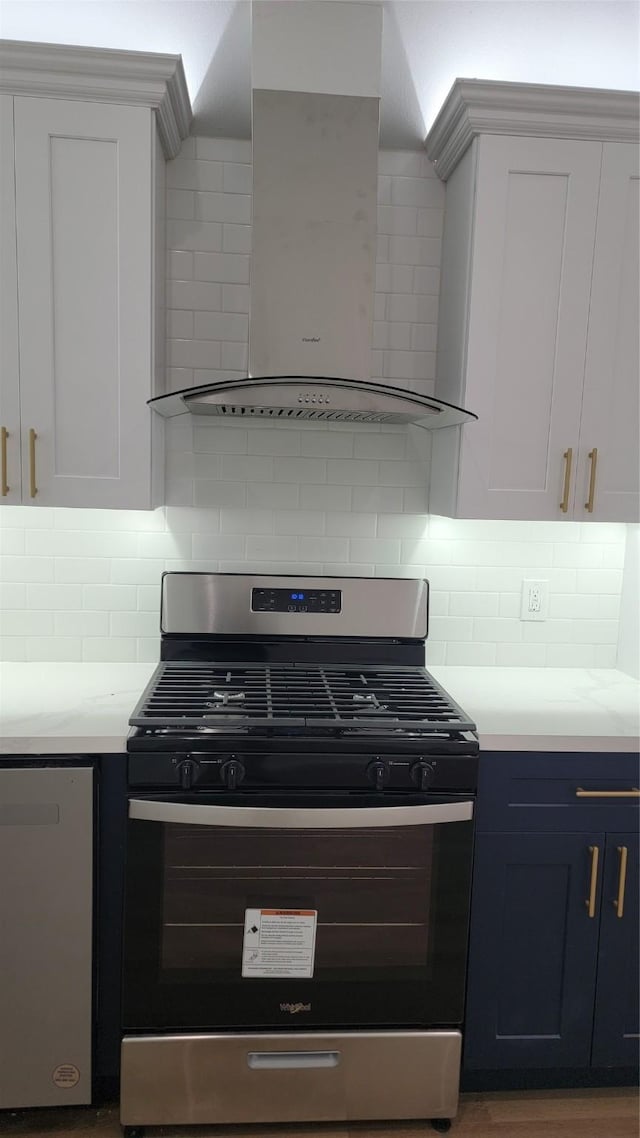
column 593, row 886
column 33, row 489
column 568, row 459
column 622, row 880
column 593, row 455
column 633, row 793
column 4, row 435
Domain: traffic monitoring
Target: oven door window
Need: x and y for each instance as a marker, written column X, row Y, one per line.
column 344, row 925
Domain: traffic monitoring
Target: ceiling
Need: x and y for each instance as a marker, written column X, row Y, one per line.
column 426, row 45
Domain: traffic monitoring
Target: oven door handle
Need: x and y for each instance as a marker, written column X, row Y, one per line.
column 287, row 818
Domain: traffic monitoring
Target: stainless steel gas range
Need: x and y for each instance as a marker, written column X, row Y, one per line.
column 301, row 797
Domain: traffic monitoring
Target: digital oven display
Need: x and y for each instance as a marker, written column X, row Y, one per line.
column 296, row 600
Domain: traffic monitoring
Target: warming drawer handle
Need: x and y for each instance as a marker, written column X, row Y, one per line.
column 283, row 818
column 633, row 793
column 291, row 1060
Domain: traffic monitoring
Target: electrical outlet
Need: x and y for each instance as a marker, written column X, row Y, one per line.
column 534, row 600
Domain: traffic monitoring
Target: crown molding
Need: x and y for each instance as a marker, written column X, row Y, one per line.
column 478, row 106
column 142, row 79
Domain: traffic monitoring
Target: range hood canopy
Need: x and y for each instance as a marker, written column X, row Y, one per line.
column 314, row 228
column 326, row 400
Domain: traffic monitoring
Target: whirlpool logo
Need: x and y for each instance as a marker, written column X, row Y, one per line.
column 293, row 1009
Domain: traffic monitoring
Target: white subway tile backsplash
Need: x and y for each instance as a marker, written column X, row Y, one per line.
column 222, row 207
column 300, row 470
column 350, row 525
column 326, row 497
column 421, row 191
column 235, row 298
column 180, row 204
column 179, row 264
column 375, row 499
column 270, row 548
column 81, row 624
column 352, row 472
column 26, row 622
column 221, row 326
column 236, row 238
column 237, row 178
column 298, row 522
column 216, row 546
column 191, row 174
column 134, row 624
column 54, row 597
column 193, row 353
column 279, row 496
column 224, row 149
column 212, row 492
column 11, row 541
column 379, row 550
column 195, row 235
column 229, row 268
column 323, row 549
column 54, row 648
column 194, row 295
column 247, row 521
column 470, row 654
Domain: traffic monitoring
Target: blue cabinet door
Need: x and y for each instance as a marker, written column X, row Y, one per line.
column 616, row 1028
column 533, row 950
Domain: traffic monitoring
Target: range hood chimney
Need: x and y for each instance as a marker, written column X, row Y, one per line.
column 315, row 114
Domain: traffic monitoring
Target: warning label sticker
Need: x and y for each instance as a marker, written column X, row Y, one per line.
column 279, row 942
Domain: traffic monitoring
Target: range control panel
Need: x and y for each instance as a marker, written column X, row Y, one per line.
column 296, row 600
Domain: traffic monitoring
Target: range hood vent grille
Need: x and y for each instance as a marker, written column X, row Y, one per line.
column 231, row 410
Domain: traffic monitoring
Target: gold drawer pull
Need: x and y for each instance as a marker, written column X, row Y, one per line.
column 593, row 887
column 33, row 489
column 568, row 459
column 4, row 435
column 593, row 455
column 633, row 793
column 622, row 880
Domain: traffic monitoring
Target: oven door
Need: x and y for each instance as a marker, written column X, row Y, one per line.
column 266, row 911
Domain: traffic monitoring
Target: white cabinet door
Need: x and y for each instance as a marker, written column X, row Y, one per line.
column 532, row 251
column 610, row 410
column 84, row 206
column 10, row 490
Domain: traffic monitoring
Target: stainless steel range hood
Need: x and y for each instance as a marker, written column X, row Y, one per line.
column 313, row 258
column 327, row 400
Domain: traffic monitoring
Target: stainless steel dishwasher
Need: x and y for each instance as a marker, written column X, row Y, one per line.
column 46, row 879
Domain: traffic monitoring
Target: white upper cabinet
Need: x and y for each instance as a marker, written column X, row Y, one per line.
column 10, row 489
column 84, row 284
column 610, row 408
column 538, row 310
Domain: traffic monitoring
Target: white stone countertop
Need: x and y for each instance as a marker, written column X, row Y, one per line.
column 53, row 708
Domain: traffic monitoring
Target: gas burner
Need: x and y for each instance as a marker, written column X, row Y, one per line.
column 222, row 698
column 373, row 702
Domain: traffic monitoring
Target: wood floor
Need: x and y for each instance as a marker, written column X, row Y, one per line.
column 611, row 1113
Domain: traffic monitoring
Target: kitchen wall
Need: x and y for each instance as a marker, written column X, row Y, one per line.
column 84, row 585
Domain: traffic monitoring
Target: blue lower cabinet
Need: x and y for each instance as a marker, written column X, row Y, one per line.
column 533, row 953
column 616, row 1027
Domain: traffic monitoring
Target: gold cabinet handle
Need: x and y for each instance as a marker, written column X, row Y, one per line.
column 593, row 455
column 622, row 880
column 633, row 793
column 593, row 886
column 568, row 459
column 4, row 435
column 33, row 489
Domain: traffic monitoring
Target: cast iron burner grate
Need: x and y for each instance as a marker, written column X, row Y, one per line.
column 186, row 694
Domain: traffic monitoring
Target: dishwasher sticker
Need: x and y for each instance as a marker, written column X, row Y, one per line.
column 279, row 942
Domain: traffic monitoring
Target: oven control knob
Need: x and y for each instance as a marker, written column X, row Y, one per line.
column 422, row 775
column 378, row 773
column 232, row 773
column 187, row 773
